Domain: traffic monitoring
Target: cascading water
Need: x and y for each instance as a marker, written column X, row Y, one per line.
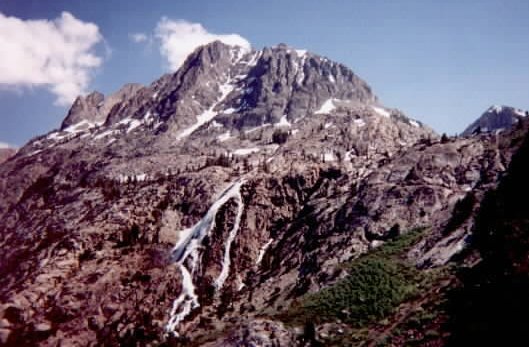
column 187, row 255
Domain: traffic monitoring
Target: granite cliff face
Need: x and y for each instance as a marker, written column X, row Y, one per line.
column 198, row 209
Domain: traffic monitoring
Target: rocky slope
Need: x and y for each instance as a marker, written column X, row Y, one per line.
column 198, row 209
column 492, row 302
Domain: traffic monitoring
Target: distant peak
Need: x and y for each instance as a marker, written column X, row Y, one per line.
column 495, row 118
column 495, row 108
column 503, row 108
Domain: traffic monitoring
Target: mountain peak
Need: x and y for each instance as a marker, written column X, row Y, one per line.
column 495, row 118
column 502, row 108
column 84, row 108
column 213, row 52
column 223, row 92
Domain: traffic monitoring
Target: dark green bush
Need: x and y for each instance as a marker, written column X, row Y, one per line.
column 375, row 285
column 371, row 290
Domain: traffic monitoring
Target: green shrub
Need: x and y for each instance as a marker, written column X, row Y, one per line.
column 375, row 285
column 371, row 290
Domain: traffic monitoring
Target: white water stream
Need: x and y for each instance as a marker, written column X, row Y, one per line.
column 187, row 254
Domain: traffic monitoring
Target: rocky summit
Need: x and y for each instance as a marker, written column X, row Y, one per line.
column 251, row 198
column 496, row 118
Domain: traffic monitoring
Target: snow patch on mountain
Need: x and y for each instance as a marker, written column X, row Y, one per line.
column 414, row 123
column 224, row 137
column 246, row 151
column 299, row 66
column 132, row 178
column 380, row 111
column 254, row 59
column 283, row 122
column 301, row 52
column 131, row 123
column 216, row 124
column 328, row 156
column 359, row 122
column 230, row 110
column 327, row 107
column 73, row 130
column 208, row 114
column 105, row 134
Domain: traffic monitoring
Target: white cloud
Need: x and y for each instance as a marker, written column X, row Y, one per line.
column 178, row 38
column 4, row 145
column 139, row 37
column 58, row 54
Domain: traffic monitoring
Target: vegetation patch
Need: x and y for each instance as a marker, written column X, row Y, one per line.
column 376, row 284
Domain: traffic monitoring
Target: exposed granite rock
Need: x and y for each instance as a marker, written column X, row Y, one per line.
column 258, row 332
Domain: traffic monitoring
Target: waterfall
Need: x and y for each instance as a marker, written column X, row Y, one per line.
column 186, row 254
column 226, row 262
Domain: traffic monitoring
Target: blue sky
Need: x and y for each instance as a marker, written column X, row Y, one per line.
column 442, row 62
